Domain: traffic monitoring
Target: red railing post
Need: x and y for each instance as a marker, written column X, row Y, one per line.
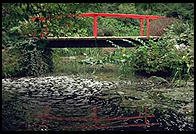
column 95, row 27
column 141, row 27
column 95, row 21
column 95, row 116
column 147, row 27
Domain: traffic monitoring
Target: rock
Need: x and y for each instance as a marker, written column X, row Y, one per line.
column 6, row 88
column 69, row 89
column 70, row 102
column 22, row 90
column 32, row 89
column 56, row 93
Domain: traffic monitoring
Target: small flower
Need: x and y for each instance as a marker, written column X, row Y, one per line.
column 124, row 51
column 42, row 19
column 42, row 35
column 35, row 18
column 184, row 57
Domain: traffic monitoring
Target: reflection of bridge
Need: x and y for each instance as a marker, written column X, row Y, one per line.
column 99, row 123
column 96, row 41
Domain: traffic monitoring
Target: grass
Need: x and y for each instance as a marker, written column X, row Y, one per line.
column 65, row 66
column 69, row 62
column 99, row 62
column 106, row 72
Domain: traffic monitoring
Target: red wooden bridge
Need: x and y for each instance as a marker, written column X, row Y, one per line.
column 95, row 40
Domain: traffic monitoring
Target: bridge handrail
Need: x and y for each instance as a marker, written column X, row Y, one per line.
column 131, row 16
column 95, row 21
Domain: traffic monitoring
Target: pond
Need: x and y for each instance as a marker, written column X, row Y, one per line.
column 77, row 103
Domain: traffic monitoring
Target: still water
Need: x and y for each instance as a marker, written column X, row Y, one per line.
column 75, row 104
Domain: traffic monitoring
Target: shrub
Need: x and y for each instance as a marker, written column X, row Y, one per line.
column 10, row 63
column 163, row 56
column 27, row 57
column 180, row 32
column 160, row 57
column 37, row 59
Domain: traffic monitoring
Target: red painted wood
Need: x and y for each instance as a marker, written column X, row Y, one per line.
column 141, row 27
column 95, row 15
column 133, row 16
column 95, row 116
column 147, row 27
column 95, row 27
column 42, row 35
column 146, row 116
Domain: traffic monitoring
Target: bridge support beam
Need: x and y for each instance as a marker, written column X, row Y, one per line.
column 90, row 42
column 95, row 27
column 148, row 27
column 141, row 27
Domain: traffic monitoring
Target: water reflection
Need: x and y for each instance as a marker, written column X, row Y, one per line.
column 85, row 104
column 83, row 113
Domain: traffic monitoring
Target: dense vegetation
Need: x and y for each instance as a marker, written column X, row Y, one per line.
column 24, row 55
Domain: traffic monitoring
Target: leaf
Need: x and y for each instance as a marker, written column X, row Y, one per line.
column 72, row 57
column 120, row 92
column 14, row 29
column 123, row 60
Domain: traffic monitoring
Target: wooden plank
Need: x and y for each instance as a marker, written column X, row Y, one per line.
column 89, row 42
column 101, row 38
column 133, row 16
column 86, row 43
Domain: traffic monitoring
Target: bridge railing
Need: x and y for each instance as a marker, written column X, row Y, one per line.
column 130, row 16
column 95, row 20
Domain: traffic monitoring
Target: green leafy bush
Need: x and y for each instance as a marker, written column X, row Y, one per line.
column 10, row 63
column 160, row 57
column 37, row 59
column 180, row 32
column 27, row 58
column 163, row 56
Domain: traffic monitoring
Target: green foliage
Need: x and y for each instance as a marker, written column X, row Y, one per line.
column 180, row 10
column 127, row 8
column 114, row 27
column 36, row 60
column 17, row 30
column 176, row 10
column 163, row 56
column 17, row 19
column 10, row 63
column 29, row 56
column 180, row 32
column 26, row 58
column 77, row 60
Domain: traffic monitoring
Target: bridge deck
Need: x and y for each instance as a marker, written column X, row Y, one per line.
column 84, row 42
